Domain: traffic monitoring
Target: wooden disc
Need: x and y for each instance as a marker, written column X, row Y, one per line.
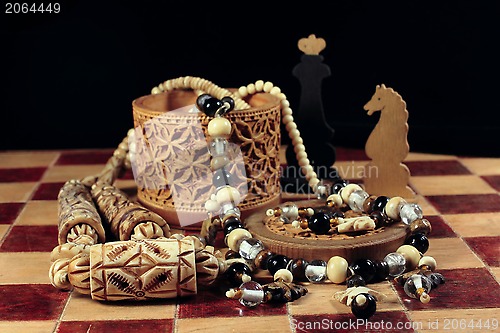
column 298, row 243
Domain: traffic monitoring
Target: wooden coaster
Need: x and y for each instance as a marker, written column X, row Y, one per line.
column 299, row 243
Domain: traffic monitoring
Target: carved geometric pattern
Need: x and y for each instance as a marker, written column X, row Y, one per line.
column 169, row 136
column 139, row 270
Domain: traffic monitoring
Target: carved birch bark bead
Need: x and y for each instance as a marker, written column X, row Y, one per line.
column 122, row 214
column 79, row 273
column 129, row 270
column 207, row 268
column 58, row 274
column 77, row 208
column 68, row 251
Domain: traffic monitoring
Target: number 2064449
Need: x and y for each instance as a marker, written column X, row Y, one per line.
column 32, row 8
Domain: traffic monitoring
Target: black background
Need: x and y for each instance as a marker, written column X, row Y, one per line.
column 68, row 79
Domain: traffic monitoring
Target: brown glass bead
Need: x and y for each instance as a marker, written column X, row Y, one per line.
column 302, row 211
column 422, row 226
column 330, row 204
column 261, row 258
column 367, row 205
column 277, row 211
column 298, row 268
column 230, row 254
column 304, row 223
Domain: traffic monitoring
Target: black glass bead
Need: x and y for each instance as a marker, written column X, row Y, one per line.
column 436, row 279
column 222, row 177
column 418, row 241
column 366, row 310
column 379, row 204
column 355, row 281
column 230, row 101
column 379, row 218
column 230, row 254
column 209, row 105
column 365, row 268
column 277, row 262
column 319, row 223
column 298, row 269
column 200, row 101
column 381, row 271
column 232, row 223
column 338, row 186
column 235, row 272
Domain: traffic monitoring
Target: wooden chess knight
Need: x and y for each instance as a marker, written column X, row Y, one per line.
column 387, row 146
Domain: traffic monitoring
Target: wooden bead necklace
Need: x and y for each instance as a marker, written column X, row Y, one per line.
column 337, row 270
column 86, row 263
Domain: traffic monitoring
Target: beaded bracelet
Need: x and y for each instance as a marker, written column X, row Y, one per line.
column 284, row 270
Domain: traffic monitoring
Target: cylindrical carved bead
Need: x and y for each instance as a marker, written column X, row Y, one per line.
column 121, row 213
column 140, row 270
column 79, row 273
column 207, row 268
column 58, row 274
column 68, row 251
column 77, row 208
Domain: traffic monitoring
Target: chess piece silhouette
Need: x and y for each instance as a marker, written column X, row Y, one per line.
column 310, row 117
column 387, row 146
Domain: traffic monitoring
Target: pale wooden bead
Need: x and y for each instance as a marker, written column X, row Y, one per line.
column 336, row 269
column 299, row 147
column 161, row 87
column 336, row 199
column 294, row 133
column 282, row 96
column 296, row 141
column 156, row 91
column 219, row 127
column 168, row 85
column 275, row 91
column 283, row 274
column 212, row 206
column 285, row 104
column 228, row 194
column 287, row 110
column 301, row 155
column 304, row 161
column 242, row 91
column 307, row 169
column 246, row 278
column 428, row 261
column 235, row 237
column 287, row 119
column 392, row 207
column 270, row 212
column 268, row 86
column 310, row 174
column 411, row 255
column 291, row 126
column 259, row 85
column 348, row 189
column 251, row 89
column 296, row 224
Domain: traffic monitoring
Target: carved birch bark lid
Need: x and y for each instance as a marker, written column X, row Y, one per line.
column 172, row 164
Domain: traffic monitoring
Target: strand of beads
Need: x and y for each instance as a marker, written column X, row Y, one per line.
column 207, row 87
column 291, row 127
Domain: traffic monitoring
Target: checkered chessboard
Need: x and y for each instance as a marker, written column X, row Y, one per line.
column 459, row 195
